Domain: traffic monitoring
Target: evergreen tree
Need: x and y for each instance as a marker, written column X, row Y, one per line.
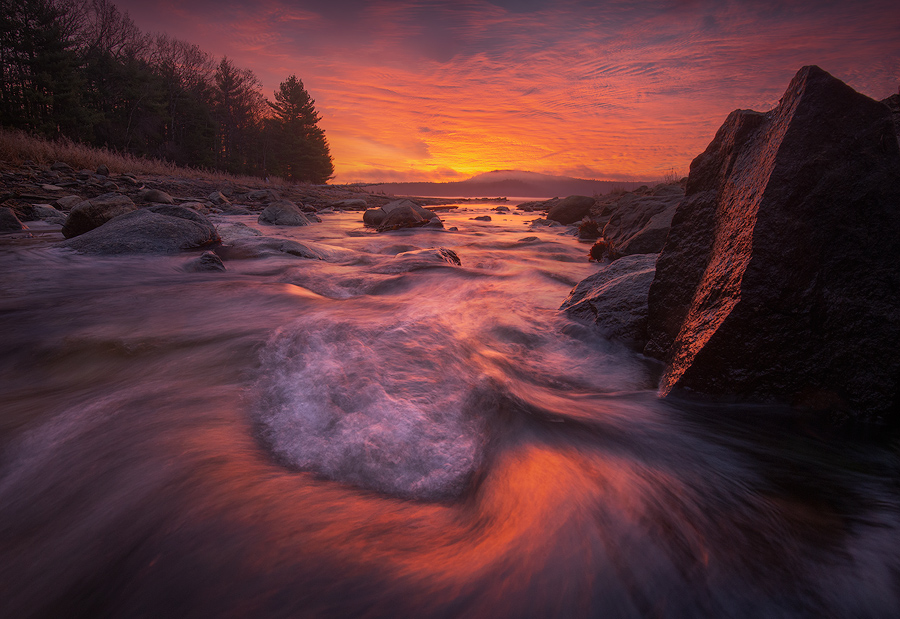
column 299, row 148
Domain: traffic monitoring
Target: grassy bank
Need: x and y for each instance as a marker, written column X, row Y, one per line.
column 18, row 147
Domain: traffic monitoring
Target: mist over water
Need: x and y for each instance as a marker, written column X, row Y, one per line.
column 380, row 434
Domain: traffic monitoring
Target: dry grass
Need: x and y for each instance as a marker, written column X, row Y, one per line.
column 17, row 147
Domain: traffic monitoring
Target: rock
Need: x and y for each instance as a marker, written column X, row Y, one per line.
column 61, row 166
column 95, row 212
column 571, row 209
column 400, row 214
column 262, row 247
column 236, row 209
column 264, row 194
column 155, row 196
column 206, row 262
column 230, row 231
column 615, row 298
column 283, row 213
column 409, row 216
column 420, row 259
column 217, row 198
column 47, row 213
column 67, row 202
column 51, row 188
column 779, row 277
column 638, row 223
column 102, row 170
column 502, row 209
column 152, row 230
column 9, row 222
column 481, row 218
column 528, row 239
column 351, row 204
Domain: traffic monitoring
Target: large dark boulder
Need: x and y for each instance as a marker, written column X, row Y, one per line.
column 571, row 209
column 779, row 278
column 283, row 213
column 154, row 230
column 615, row 298
column 95, row 212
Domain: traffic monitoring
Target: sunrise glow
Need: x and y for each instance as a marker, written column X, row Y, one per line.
column 443, row 91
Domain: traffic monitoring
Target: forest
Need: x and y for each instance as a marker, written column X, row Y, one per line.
column 82, row 70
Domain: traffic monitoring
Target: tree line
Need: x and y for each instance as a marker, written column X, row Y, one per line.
column 81, row 69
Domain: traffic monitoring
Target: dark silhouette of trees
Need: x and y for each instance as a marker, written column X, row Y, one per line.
column 82, row 69
column 300, row 151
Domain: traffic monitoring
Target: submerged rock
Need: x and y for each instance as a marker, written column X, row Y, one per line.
column 615, row 298
column 283, row 213
column 90, row 214
column 207, row 262
column 780, row 274
column 266, row 246
column 154, row 230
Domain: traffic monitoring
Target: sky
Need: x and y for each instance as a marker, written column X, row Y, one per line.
column 414, row 90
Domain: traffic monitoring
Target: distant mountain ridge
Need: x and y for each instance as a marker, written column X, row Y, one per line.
column 506, row 183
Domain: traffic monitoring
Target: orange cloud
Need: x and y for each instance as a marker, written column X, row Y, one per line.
column 443, row 90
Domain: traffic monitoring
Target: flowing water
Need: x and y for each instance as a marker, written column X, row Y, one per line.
column 382, row 436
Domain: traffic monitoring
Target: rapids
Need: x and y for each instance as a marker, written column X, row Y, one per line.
column 373, row 435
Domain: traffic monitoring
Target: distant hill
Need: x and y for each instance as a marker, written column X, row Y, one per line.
column 506, row 183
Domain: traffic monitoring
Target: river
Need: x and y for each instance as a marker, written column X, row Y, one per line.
column 365, row 437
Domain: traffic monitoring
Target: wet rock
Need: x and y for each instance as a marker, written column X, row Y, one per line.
column 9, row 222
column 638, row 223
column 352, row 204
column 283, row 213
column 420, row 259
column 502, row 209
column 95, row 212
column 528, row 239
column 571, row 209
column 207, row 262
column 400, row 214
column 481, row 218
column 155, row 196
column 154, row 230
column 779, row 277
column 615, row 298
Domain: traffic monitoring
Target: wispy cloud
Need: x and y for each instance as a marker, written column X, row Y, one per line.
column 612, row 89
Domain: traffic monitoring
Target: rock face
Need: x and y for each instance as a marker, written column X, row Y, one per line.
column 95, row 212
column 638, row 223
column 779, row 277
column 283, row 213
column 615, row 298
column 571, row 209
column 153, row 230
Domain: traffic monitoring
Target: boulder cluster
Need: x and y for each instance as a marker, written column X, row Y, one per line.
column 778, row 279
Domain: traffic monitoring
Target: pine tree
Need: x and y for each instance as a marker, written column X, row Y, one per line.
column 300, row 150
